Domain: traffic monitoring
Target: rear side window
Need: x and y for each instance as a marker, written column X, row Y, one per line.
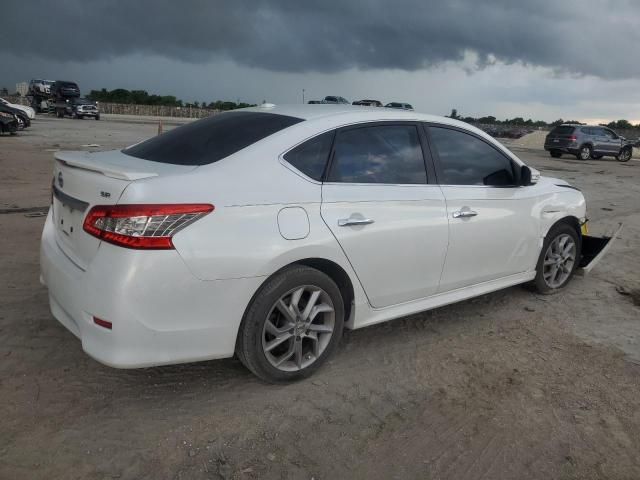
column 379, row 154
column 467, row 160
column 563, row 130
column 211, row 139
column 311, row 156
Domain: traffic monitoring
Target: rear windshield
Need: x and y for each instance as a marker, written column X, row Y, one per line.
column 211, row 139
column 563, row 130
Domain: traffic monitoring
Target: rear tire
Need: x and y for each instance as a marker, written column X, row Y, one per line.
column 555, row 153
column 276, row 341
column 584, row 153
column 625, row 155
column 559, row 258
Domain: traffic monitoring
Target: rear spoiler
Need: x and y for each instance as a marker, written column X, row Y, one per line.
column 112, row 168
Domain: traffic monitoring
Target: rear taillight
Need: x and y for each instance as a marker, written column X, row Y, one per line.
column 572, row 138
column 142, row 226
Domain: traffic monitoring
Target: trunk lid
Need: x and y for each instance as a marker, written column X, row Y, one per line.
column 82, row 180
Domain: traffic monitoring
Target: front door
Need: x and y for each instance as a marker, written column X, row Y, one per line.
column 493, row 232
column 614, row 144
column 391, row 224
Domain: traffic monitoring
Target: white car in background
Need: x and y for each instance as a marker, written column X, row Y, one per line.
column 266, row 231
column 29, row 112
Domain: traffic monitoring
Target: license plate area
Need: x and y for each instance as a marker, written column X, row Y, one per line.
column 68, row 220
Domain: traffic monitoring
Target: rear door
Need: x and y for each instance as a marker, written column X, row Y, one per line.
column 390, row 222
column 598, row 138
column 493, row 231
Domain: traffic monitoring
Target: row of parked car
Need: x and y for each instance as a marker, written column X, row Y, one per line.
column 334, row 99
column 14, row 117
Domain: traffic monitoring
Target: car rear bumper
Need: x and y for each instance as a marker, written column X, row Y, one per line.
column 160, row 313
column 572, row 149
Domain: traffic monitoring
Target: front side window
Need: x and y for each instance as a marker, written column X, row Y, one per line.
column 610, row 134
column 311, row 156
column 467, row 160
column 211, row 139
column 379, row 154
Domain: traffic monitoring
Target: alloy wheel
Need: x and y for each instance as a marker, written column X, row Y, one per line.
column 298, row 328
column 585, row 153
column 625, row 155
column 559, row 260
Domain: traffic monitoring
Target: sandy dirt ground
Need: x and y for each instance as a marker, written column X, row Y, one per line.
column 511, row 385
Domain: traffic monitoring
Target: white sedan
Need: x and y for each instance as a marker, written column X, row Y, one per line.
column 28, row 111
column 265, row 232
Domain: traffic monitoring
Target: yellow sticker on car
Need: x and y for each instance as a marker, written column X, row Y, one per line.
column 584, row 228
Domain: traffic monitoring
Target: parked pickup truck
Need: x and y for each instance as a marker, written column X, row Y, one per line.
column 77, row 108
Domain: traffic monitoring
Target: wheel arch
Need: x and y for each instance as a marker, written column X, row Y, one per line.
column 330, row 268
column 587, row 143
column 570, row 220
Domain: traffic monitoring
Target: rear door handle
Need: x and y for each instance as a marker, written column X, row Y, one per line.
column 464, row 213
column 347, row 222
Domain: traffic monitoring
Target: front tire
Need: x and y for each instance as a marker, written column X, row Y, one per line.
column 292, row 325
column 625, row 155
column 558, row 259
column 584, row 153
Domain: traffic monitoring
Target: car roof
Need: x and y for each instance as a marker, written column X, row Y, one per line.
column 345, row 114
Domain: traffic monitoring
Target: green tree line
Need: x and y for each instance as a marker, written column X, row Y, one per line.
column 521, row 122
column 142, row 97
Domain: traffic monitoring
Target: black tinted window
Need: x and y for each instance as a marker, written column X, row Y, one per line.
column 380, row 154
column 311, row 156
column 563, row 130
column 211, row 139
column 467, row 160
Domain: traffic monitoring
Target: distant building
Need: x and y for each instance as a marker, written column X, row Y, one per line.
column 22, row 88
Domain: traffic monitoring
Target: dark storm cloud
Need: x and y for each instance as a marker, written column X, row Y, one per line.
column 598, row 37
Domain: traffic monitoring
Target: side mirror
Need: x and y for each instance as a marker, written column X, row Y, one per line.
column 528, row 176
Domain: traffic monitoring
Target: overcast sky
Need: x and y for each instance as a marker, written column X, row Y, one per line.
column 543, row 59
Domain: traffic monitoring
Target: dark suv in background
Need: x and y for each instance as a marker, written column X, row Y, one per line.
column 64, row 89
column 586, row 141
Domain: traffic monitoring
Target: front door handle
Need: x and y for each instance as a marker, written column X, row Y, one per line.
column 464, row 213
column 347, row 222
